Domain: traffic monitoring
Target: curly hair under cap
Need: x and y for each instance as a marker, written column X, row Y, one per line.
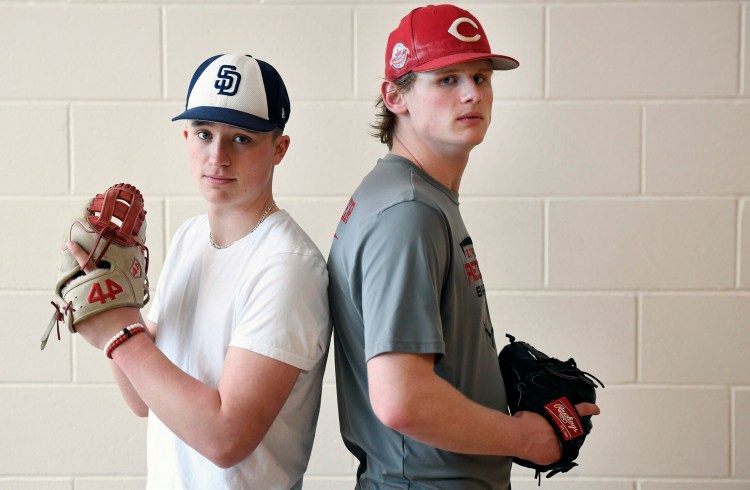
column 385, row 120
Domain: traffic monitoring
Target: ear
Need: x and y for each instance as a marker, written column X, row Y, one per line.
column 281, row 145
column 393, row 98
column 185, row 132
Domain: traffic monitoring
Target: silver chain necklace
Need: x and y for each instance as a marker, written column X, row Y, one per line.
column 262, row 219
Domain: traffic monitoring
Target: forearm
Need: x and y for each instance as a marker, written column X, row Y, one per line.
column 190, row 408
column 129, row 394
column 440, row 416
column 410, row 398
column 225, row 423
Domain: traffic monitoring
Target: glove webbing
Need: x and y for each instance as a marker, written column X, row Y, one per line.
column 570, row 366
column 123, row 202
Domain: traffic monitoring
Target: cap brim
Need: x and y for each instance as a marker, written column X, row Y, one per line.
column 499, row 62
column 231, row 117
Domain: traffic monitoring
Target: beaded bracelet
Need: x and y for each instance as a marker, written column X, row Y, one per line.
column 121, row 337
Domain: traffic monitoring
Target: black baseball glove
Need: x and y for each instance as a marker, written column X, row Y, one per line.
column 535, row 382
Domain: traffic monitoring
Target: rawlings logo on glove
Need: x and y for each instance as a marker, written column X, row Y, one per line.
column 112, row 228
column 535, row 382
column 566, row 418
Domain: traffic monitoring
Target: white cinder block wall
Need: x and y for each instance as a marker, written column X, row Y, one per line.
column 609, row 204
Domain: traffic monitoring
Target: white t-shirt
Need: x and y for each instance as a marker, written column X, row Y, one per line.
column 267, row 293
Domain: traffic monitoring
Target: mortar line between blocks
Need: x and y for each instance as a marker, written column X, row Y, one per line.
column 163, row 51
column 73, row 356
column 742, row 75
column 354, row 59
column 545, row 244
column 71, row 173
column 165, row 225
column 642, row 143
column 545, row 50
column 639, row 337
column 739, row 214
column 732, row 432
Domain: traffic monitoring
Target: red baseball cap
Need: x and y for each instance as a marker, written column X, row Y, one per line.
column 436, row 36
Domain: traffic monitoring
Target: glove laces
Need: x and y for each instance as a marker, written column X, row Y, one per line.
column 57, row 316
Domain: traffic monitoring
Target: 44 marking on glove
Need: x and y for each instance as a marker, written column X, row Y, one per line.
column 97, row 294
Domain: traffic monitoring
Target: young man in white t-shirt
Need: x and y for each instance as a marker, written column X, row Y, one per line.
column 230, row 369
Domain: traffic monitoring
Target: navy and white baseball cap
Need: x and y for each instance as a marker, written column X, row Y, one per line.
column 238, row 90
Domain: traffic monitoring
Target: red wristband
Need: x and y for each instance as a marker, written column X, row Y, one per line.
column 122, row 336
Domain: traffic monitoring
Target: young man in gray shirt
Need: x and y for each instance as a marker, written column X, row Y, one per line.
column 421, row 398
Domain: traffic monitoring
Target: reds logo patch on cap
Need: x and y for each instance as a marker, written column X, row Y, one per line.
column 436, row 36
column 399, row 56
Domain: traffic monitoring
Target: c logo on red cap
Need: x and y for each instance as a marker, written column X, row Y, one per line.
column 453, row 30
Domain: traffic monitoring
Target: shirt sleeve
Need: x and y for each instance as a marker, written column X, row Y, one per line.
column 404, row 256
column 284, row 313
